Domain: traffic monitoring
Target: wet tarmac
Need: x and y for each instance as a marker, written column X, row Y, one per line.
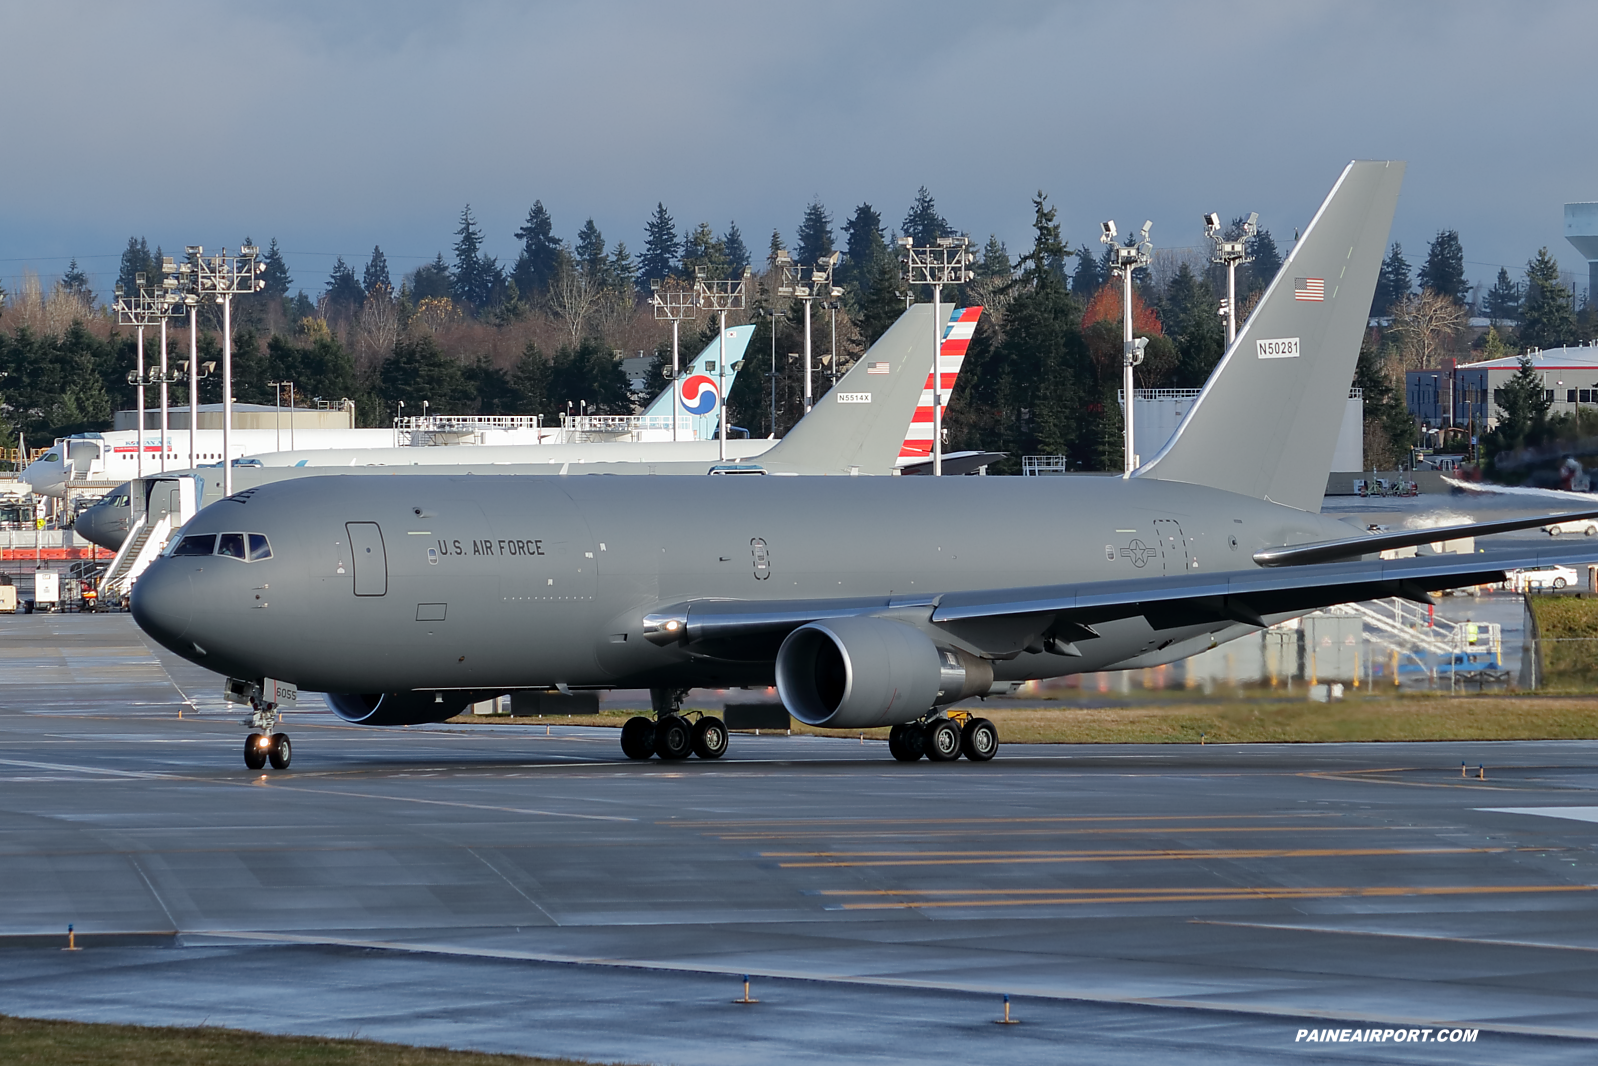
column 494, row 887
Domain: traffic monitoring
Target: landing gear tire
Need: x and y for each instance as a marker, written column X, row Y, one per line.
column 254, row 751
column 907, row 742
column 979, row 740
column 638, row 738
column 710, row 738
column 280, row 751
column 943, row 740
column 674, row 738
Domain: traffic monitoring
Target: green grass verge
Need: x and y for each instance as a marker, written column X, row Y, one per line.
column 1257, row 720
column 37, row 1042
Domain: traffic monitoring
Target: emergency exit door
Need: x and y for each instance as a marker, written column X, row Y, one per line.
column 367, row 558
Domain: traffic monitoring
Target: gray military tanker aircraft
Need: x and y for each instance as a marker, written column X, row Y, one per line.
column 868, row 602
column 859, row 427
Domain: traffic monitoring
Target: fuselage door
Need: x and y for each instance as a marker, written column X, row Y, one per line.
column 368, row 558
column 1174, row 553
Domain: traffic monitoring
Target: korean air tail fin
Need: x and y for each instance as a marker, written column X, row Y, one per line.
column 698, row 413
column 1266, row 422
column 868, row 419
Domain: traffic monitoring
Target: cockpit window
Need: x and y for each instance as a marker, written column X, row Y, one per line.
column 259, row 548
column 196, row 544
column 52, row 458
column 231, row 545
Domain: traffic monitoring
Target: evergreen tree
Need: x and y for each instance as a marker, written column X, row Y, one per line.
column 275, row 273
column 475, row 274
column 922, row 223
column 590, row 253
column 75, row 282
column 702, row 251
column 995, row 261
column 530, row 382
column 1502, row 302
column 882, row 302
column 492, row 392
column 776, row 246
column 1267, row 261
column 535, row 266
column 1444, row 269
column 737, row 252
column 864, row 247
column 815, row 235
column 1548, row 319
column 623, row 272
column 1523, row 412
column 1089, row 276
column 588, row 373
column 420, row 370
column 343, row 290
column 1392, row 283
column 660, row 249
column 136, row 259
column 1389, row 429
column 1188, row 315
column 377, row 273
column 431, row 280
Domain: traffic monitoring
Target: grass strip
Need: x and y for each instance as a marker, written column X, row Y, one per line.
column 43, row 1042
column 1256, row 721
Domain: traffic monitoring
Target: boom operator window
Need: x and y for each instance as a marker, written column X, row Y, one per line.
column 245, row 547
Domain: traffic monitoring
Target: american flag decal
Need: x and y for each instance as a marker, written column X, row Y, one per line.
column 956, row 339
column 1313, row 289
column 878, row 367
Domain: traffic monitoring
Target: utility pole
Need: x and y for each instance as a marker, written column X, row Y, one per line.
column 721, row 297
column 1127, row 260
column 675, row 303
column 946, row 262
column 1230, row 254
column 223, row 277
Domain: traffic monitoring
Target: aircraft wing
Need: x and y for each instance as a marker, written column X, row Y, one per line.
column 1002, row 623
column 1328, row 550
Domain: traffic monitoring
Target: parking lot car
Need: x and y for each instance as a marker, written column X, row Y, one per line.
column 1587, row 527
column 1552, row 577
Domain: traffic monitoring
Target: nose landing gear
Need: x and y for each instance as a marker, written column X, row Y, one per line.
column 264, row 744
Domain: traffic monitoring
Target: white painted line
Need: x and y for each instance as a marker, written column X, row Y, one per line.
column 1578, row 814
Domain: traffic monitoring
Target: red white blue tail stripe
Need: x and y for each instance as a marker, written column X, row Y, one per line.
column 951, row 356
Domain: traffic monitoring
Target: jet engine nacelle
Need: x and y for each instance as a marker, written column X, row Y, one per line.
column 852, row 673
column 397, row 708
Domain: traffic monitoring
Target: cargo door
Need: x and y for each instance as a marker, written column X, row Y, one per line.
column 368, row 559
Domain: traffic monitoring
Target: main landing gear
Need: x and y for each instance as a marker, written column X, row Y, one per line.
column 945, row 738
column 674, row 734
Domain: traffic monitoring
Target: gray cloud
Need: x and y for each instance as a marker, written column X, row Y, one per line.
column 336, row 126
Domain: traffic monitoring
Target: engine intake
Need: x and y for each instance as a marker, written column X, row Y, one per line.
column 852, row 673
column 398, row 708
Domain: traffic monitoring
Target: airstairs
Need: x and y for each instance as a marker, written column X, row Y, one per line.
column 1425, row 640
column 161, row 505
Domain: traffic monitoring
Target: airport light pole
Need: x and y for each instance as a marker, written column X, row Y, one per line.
column 139, row 311
column 772, row 314
column 673, row 303
column 277, row 393
column 793, row 285
column 1128, row 258
column 944, row 262
column 833, row 305
column 171, row 303
column 721, row 297
column 1230, row 254
column 223, row 277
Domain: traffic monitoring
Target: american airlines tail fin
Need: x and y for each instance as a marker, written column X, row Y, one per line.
column 1266, row 423
column 951, row 357
column 860, row 427
column 699, row 412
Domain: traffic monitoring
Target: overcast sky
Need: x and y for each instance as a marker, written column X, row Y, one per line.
column 337, row 126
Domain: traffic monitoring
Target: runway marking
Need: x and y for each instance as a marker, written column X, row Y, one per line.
column 1330, row 931
column 63, row 768
column 1195, row 895
column 1105, row 832
column 1578, row 814
column 980, row 858
column 811, row 823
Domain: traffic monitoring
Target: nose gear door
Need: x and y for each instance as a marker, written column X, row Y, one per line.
column 368, row 558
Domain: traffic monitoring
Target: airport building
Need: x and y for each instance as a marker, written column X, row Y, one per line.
column 1466, row 395
column 339, row 414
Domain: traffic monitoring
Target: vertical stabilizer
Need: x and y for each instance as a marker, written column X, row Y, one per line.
column 699, row 412
column 1266, row 422
column 962, row 326
column 860, row 426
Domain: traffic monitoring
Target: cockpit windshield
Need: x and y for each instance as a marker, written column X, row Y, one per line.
column 245, row 547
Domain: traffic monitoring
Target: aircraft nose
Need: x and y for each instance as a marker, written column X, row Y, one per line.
column 99, row 526
column 163, row 601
